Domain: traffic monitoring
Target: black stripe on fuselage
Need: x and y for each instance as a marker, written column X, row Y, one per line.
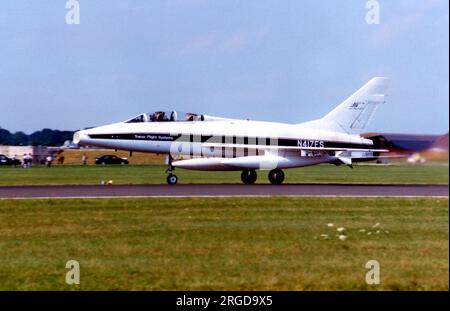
column 146, row 136
column 282, row 142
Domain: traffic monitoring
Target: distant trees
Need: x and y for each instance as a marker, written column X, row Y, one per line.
column 45, row 137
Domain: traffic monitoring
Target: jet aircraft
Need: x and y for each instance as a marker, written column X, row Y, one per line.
column 203, row 142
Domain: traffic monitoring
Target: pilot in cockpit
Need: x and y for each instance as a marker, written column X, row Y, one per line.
column 189, row 117
column 159, row 116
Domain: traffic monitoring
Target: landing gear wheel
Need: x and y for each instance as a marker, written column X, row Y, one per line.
column 276, row 177
column 172, row 179
column 248, row 177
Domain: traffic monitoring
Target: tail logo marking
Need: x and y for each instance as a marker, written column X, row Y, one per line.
column 357, row 106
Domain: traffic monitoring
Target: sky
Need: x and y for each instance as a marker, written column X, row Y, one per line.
column 287, row 61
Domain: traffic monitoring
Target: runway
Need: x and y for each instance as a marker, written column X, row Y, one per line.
column 221, row 190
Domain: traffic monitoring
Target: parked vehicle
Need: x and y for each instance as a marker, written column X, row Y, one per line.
column 110, row 159
column 4, row 160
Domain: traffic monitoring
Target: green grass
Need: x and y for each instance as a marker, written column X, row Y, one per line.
column 224, row 243
column 155, row 174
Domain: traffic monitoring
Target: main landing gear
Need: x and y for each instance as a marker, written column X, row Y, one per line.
column 248, row 177
column 171, row 179
column 276, row 177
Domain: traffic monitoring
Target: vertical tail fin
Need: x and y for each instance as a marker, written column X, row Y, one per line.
column 354, row 114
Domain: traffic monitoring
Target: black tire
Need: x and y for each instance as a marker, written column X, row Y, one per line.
column 248, row 177
column 172, row 179
column 276, row 177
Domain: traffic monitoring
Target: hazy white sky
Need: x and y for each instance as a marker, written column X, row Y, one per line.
column 288, row 61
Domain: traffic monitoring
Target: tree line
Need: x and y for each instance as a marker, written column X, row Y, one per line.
column 45, row 137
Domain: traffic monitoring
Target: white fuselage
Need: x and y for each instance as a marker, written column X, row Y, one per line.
column 223, row 144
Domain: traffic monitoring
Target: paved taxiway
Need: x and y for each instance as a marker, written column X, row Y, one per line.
column 221, row 190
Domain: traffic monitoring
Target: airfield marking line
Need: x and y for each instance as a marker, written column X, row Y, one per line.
column 227, row 196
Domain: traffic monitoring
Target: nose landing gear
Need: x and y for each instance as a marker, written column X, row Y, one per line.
column 171, row 179
column 276, row 177
column 248, row 177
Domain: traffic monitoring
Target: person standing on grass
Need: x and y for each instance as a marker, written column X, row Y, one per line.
column 84, row 159
column 30, row 160
column 25, row 160
column 49, row 161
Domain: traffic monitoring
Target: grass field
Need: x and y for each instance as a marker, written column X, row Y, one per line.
column 224, row 244
column 155, row 174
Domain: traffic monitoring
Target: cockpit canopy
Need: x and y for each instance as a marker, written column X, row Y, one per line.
column 166, row 116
